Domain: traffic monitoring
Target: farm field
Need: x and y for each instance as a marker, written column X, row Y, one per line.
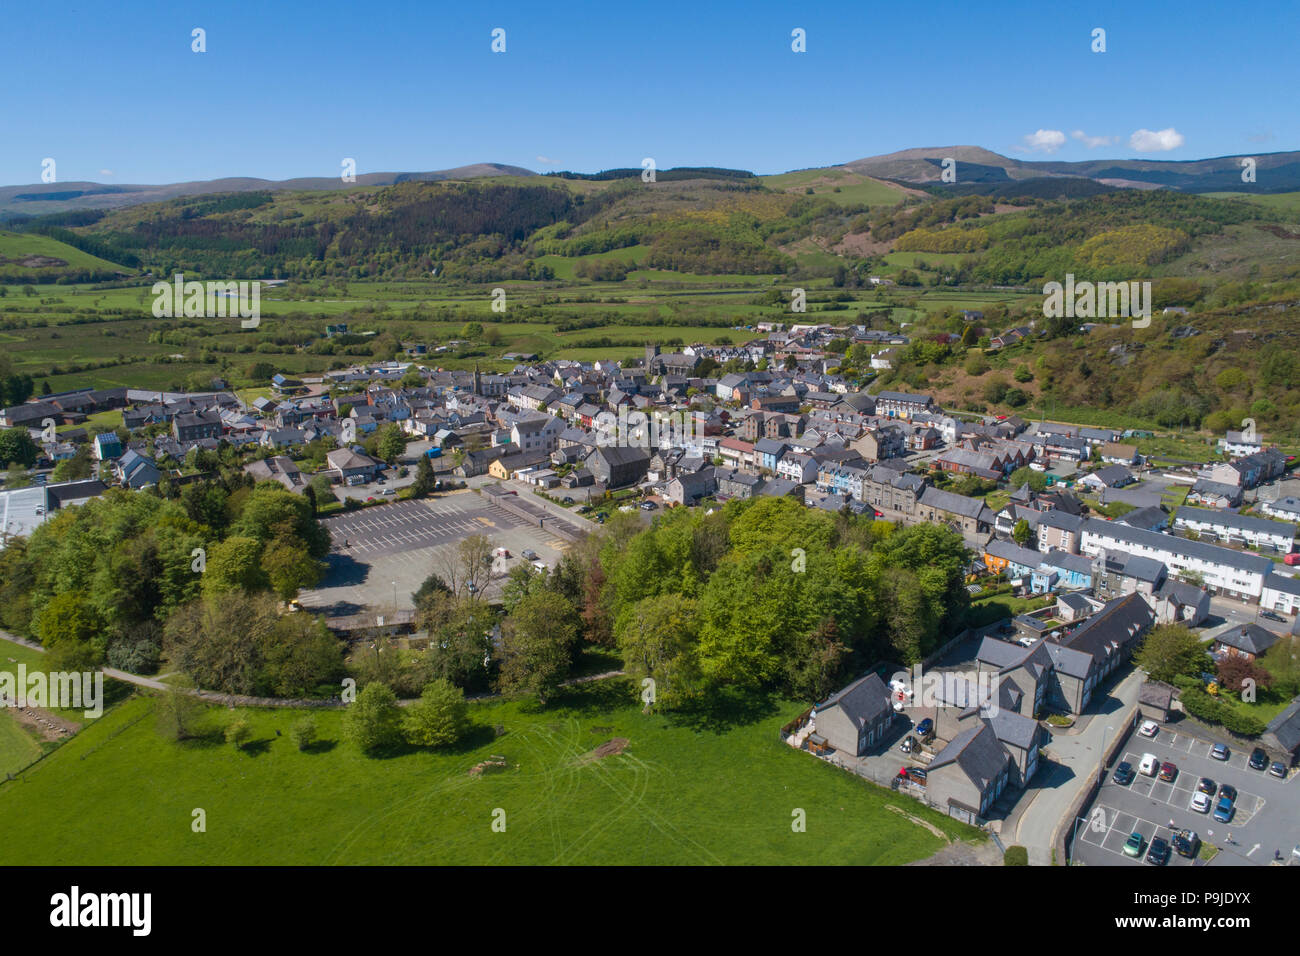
column 718, row 793
column 78, row 336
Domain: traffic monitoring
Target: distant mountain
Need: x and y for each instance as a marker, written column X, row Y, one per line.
column 41, row 199
column 981, row 170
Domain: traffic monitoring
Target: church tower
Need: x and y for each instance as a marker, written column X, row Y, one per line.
column 478, row 381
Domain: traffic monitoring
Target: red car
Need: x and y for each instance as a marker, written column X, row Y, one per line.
column 1168, row 772
column 1292, row 558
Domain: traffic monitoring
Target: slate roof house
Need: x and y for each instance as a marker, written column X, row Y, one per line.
column 1085, row 657
column 1249, row 641
column 854, row 720
column 1281, row 738
column 967, row 776
column 616, row 467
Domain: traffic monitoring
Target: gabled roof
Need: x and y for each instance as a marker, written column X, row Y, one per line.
column 1250, row 638
column 977, row 752
column 861, row 702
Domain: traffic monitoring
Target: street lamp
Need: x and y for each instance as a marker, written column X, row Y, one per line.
column 1074, row 843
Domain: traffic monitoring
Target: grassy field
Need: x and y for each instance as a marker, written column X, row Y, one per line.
column 18, row 246
column 841, row 185
column 682, row 792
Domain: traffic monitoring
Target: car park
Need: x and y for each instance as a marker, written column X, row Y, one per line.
column 1220, row 752
column 1133, row 845
column 1201, row 802
column 1149, row 729
column 1168, row 771
column 1278, row 769
column 1124, row 774
column 1158, row 852
column 1258, row 759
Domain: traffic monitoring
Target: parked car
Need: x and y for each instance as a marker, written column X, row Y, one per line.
column 1149, row 729
column 1124, row 774
column 648, row 506
column 1186, row 843
column 916, row 773
column 1206, row 785
column 1201, row 802
column 1292, row 558
column 529, row 554
column 1220, row 752
column 1229, row 791
column 567, row 500
column 1272, row 616
column 1158, row 852
column 502, row 552
column 1168, row 771
column 1278, row 769
column 388, row 491
column 1223, row 810
column 539, row 566
column 1258, row 759
column 909, row 744
column 925, row 728
column 1133, row 845
column 1149, row 766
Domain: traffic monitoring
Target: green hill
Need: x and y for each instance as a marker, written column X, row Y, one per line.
column 30, row 257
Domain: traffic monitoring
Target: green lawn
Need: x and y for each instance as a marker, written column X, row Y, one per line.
column 18, row 748
column 683, row 792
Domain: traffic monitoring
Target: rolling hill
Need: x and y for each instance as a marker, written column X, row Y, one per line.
column 1275, row 172
column 44, row 198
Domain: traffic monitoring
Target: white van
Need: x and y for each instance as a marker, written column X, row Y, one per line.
column 1150, row 766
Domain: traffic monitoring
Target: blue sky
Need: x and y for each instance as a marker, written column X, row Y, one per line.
column 113, row 92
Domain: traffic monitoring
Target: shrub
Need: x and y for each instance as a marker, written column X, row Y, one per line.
column 238, row 732
column 303, row 732
column 1015, row 856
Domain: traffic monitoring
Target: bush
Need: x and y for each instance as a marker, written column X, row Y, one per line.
column 238, row 732
column 1015, row 856
column 439, row 718
column 303, row 732
column 373, row 721
column 137, row 655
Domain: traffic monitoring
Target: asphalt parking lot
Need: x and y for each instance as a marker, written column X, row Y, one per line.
column 1266, row 818
column 380, row 555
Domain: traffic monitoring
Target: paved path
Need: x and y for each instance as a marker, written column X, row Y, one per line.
column 1077, row 756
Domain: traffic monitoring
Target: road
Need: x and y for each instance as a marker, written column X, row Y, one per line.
column 1075, row 758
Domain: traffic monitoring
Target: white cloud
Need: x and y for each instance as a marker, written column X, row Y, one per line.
column 106, row 172
column 1093, row 142
column 1045, row 141
column 546, row 160
column 1148, row 141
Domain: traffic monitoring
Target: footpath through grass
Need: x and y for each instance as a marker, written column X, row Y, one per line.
column 718, row 789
